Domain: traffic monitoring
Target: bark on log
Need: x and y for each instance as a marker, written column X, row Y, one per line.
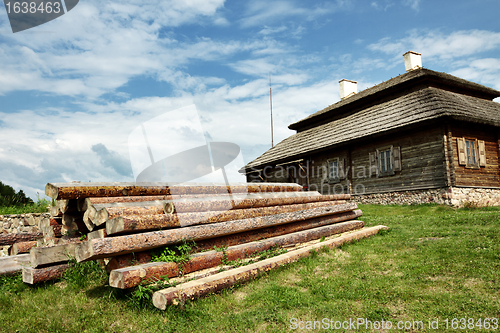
column 58, row 191
column 13, row 264
column 133, row 200
column 127, row 260
column 239, row 238
column 37, row 275
column 128, row 224
column 189, row 205
column 10, row 239
column 52, row 255
column 217, row 282
column 22, row 247
column 132, row 276
column 112, row 212
column 112, row 246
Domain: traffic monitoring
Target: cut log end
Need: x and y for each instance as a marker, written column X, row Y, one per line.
column 28, row 275
column 169, row 208
column 160, row 301
column 116, row 280
column 115, row 225
column 51, row 191
column 84, row 251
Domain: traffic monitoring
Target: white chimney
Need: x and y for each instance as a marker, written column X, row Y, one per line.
column 413, row 60
column 347, row 88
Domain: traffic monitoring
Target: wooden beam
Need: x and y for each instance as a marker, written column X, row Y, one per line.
column 37, row 275
column 217, row 282
column 201, row 203
column 132, row 276
column 217, row 204
column 99, row 233
column 41, row 256
column 58, row 191
column 112, row 246
column 10, row 239
column 137, row 258
column 134, row 223
column 13, row 264
column 22, row 247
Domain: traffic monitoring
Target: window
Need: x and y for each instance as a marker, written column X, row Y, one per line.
column 471, row 153
column 335, row 169
column 385, row 161
column 385, row 158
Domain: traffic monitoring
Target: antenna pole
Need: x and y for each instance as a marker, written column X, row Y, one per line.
column 271, row 103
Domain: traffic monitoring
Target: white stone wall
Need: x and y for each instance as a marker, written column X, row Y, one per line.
column 453, row 196
column 474, row 197
column 19, row 223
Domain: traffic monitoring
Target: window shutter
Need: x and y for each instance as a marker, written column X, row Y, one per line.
column 461, row 151
column 482, row 153
column 373, row 163
column 342, row 168
column 396, row 155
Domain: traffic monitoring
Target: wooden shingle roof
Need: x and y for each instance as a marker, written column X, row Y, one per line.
column 418, row 105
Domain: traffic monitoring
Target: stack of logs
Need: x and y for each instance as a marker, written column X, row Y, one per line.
column 123, row 224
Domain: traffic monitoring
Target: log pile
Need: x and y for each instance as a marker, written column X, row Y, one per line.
column 129, row 224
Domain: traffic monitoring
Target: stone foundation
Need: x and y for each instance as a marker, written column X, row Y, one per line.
column 453, row 196
column 19, row 223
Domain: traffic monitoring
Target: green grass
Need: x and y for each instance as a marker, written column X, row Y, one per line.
column 434, row 262
column 37, row 207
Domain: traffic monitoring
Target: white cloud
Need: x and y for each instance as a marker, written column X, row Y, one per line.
column 413, row 4
column 260, row 12
column 435, row 44
column 460, row 51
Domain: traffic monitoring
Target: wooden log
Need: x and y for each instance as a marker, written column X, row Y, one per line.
column 112, row 246
column 22, row 247
column 37, row 275
column 196, row 203
column 112, row 212
column 239, row 238
column 13, row 264
column 41, row 256
column 217, row 282
column 130, row 259
column 134, row 223
column 55, row 211
column 86, row 219
column 10, row 239
column 132, row 276
column 133, row 200
column 99, row 233
column 59, row 191
column 217, row 204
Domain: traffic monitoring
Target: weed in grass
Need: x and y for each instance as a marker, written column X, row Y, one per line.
column 81, row 275
column 176, row 253
column 272, row 252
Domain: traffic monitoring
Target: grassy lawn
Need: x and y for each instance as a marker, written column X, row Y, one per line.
column 435, row 262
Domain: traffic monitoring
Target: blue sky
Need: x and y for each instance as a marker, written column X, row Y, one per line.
column 74, row 89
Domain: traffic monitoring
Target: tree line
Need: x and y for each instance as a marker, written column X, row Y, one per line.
column 9, row 197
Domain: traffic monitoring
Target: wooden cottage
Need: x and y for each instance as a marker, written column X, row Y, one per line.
column 423, row 136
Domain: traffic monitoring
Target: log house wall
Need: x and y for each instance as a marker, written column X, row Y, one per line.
column 488, row 176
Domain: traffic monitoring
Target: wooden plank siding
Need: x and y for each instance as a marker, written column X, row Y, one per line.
column 488, row 176
column 318, row 175
column 422, row 160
